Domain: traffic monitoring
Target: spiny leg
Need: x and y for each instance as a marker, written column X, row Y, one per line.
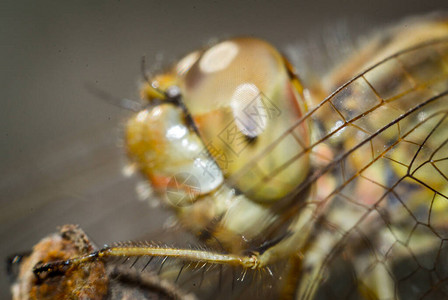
column 138, row 250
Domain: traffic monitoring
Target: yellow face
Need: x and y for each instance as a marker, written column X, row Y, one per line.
column 242, row 97
column 232, row 102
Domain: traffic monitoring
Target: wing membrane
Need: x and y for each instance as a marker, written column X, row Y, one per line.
column 380, row 150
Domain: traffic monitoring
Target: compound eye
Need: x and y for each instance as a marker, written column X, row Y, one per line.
column 243, row 96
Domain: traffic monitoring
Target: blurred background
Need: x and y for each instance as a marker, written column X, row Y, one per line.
column 61, row 154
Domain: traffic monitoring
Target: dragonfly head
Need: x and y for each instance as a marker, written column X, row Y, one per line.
column 227, row 116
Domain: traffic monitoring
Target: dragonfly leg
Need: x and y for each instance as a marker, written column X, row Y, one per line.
column 140, row 250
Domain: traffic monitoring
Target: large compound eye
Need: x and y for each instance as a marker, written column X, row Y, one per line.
column 243, row 97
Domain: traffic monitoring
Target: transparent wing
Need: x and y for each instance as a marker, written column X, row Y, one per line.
column 380, row 152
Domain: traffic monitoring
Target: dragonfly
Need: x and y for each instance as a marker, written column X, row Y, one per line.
column 305, row 188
